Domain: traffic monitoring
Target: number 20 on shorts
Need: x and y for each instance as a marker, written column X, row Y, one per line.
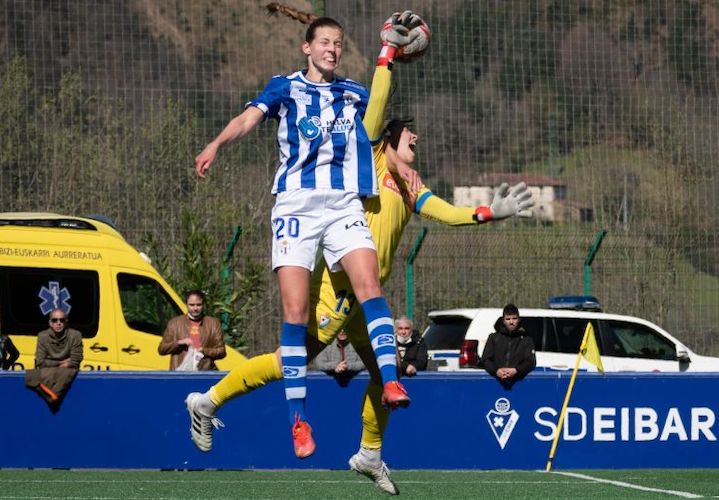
column 287, row 227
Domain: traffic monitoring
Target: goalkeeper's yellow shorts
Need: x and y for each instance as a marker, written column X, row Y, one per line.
column 335, row 308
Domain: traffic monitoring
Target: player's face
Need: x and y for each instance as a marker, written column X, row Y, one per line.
column 324, row 53
column 407, row 145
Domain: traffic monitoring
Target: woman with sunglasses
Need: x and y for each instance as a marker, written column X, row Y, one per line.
column 58, row 346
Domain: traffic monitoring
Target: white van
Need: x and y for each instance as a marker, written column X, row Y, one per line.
column 456, row 338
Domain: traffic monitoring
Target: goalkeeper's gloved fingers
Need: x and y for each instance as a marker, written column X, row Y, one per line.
column 501, row 191
column 419, row 39
column 405, row 17
column 410, row 19
column 396, row 35
column 522, row 196
column 518, row 188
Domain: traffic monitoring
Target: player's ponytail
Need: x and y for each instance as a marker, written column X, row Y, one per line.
column 304, row 17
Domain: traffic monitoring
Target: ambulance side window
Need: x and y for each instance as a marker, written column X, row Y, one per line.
column 28, row 294
column 145, row 304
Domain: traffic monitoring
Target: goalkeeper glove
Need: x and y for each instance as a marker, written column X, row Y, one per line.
column 506, row 203
column 403, row 32
column 419, row 36
column 394, row 35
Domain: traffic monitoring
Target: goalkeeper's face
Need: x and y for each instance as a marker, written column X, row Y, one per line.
column 404, row 141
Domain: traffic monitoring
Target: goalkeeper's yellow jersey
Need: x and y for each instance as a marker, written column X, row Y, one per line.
column 332, row 299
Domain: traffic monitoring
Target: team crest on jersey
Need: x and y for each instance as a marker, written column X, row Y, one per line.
column 309, row 127
column 324, row 321
column 284, row 247
column 350, row 98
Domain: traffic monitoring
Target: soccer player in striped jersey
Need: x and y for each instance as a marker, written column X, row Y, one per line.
column 333, row 303
column 325, row 169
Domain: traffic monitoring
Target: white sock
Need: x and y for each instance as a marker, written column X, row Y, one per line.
column 205, row 405
column 371, row 457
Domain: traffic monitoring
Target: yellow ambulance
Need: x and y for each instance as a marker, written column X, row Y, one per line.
column 109, row 290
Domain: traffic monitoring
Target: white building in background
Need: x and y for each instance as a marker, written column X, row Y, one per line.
column 550, row 196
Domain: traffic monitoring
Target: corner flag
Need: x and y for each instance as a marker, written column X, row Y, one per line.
column 589, row 348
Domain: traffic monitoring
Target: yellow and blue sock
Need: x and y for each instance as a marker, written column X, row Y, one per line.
column 294, row 368
column 381, row 333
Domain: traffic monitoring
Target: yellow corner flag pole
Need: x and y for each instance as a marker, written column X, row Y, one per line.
column 584, row 350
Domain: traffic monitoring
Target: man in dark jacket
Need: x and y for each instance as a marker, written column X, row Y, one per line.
column 509, row 352
column 411, row 349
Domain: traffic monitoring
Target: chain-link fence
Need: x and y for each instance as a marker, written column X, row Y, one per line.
column 608, row 109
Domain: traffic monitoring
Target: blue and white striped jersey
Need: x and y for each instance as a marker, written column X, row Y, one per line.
column 322, row 142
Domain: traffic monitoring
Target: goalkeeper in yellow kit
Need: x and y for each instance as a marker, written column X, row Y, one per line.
column 332, row 300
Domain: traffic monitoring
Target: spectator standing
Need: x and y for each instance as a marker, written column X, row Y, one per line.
column 58, row 346
column 340, row 359
column 509, row 352
column 195, row 334
column 411, row 349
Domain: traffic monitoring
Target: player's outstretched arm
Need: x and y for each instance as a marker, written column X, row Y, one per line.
column 238, row 127
column 507, row 202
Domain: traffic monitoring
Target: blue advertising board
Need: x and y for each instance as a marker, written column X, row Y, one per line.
column 456, row 421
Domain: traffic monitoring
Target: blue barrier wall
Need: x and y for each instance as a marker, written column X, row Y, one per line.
column 456, row 421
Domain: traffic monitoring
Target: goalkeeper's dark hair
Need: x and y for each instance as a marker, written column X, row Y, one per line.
column 321, row 22
column 394, row 128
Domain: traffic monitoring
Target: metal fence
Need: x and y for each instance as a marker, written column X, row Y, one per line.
column 608, row 108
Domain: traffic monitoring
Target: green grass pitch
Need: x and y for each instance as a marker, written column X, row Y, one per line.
column 345, row 485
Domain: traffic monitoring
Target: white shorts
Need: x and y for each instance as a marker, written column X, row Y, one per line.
column 304, row 220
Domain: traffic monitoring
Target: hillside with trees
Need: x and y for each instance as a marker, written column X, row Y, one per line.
column 103, row 107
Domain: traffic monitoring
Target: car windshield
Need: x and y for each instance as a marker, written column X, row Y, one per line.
column 446, row 332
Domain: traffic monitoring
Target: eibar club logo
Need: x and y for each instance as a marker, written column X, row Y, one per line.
column 502, row 420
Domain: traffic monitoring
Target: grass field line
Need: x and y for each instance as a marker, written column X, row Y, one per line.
column 270, row 481
column 622, row 484
column 26, row 497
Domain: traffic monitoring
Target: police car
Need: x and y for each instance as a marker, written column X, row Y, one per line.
column 456, row 337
